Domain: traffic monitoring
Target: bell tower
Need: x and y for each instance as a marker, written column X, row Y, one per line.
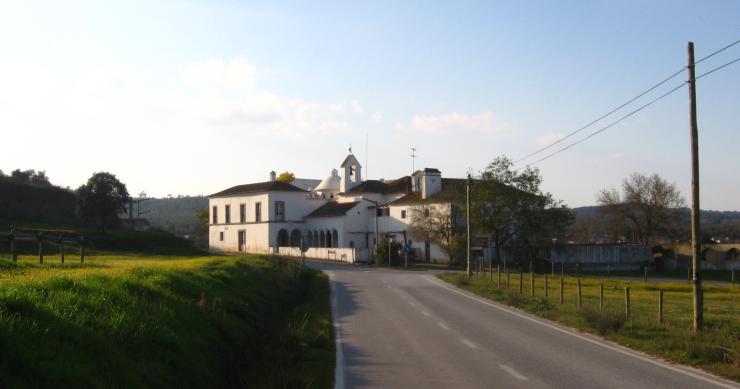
column 351, row 173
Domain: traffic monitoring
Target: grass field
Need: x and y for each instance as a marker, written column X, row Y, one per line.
column 147, row 321
column 716, row 350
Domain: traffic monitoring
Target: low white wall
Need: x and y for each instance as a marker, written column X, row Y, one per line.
column 332, row 254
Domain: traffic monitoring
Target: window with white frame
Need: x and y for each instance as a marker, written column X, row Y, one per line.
column 280, row 211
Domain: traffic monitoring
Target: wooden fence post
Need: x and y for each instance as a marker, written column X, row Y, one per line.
column 61, row 247
column 561, row 290
column 645, row 274
column 13, row 255
column 688, row 274
column 498, row 274
column 545, row 285
column 660, row 307
column 580, row 302
column 601, row 297
column 82, row 248
column 508, row 278
column 627, row 301
column 521, row 282
column 40, row 238
column 531, row 280
column 553, row 268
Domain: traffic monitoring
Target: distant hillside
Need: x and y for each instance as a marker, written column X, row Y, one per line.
column 175, row 214
column 590, row 222
column 22, row 202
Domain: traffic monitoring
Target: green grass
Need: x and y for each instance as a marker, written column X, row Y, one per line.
column 143, row 321
column 717, row 349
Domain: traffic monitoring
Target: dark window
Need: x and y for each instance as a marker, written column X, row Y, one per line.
column 221, row 236
column 280, row 211
column 227, row 219
column 242, row 213
column 403, row 214
column 214, row 214
column 258, row 212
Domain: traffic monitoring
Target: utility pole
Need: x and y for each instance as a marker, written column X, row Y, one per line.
column 467, row 217
column 413, row 159
column 695, row 209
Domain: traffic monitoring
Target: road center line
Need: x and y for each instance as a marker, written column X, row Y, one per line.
column 624, row 351
column 513, row 372
column 443, row 326
column 469, row 343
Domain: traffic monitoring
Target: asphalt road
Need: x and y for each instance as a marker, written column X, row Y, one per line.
column 406, row 329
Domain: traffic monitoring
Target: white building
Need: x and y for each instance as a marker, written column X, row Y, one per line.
column 337, row 214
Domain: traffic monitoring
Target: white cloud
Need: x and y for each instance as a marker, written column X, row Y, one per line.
column 356, row 107
column 546, row 139
column 236, row 74
column 484, row 122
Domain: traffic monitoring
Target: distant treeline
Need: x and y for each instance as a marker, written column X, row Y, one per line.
column 176, row 214
column 26, row 198
column 590, row 226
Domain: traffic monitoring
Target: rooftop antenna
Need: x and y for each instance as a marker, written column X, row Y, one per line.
column 413, row 159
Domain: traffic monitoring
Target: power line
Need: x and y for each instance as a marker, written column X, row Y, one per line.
column 718, row 68
column 633, row 112
column 606, row 127
column 718, row 51
column 628, row 102
column 601, row 117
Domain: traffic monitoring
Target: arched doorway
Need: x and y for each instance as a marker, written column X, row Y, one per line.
column 335, row 238
column 295, row 238
column 733, row 254
column 322, row 239
column 316, row 242
column 283, row 240
column 329, row 240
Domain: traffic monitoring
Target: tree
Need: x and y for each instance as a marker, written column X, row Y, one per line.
column 649, row 203
column 286, row 177
column 30, row 177
column 101, row 199
column 510, row 206
column 436, row 223
column 203, row 219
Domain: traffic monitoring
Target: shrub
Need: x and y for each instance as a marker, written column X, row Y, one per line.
column 381, row 253
column 605, row 321
column 515, row 299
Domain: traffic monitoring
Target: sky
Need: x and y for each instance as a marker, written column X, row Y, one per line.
column 192, row 97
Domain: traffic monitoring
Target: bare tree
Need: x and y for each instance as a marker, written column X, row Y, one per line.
column 436, row 223
column 647, row 202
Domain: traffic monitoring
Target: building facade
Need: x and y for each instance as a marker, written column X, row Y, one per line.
column 340, row 211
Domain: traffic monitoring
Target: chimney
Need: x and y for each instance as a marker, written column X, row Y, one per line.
column 273, row 176
column 431, row 182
